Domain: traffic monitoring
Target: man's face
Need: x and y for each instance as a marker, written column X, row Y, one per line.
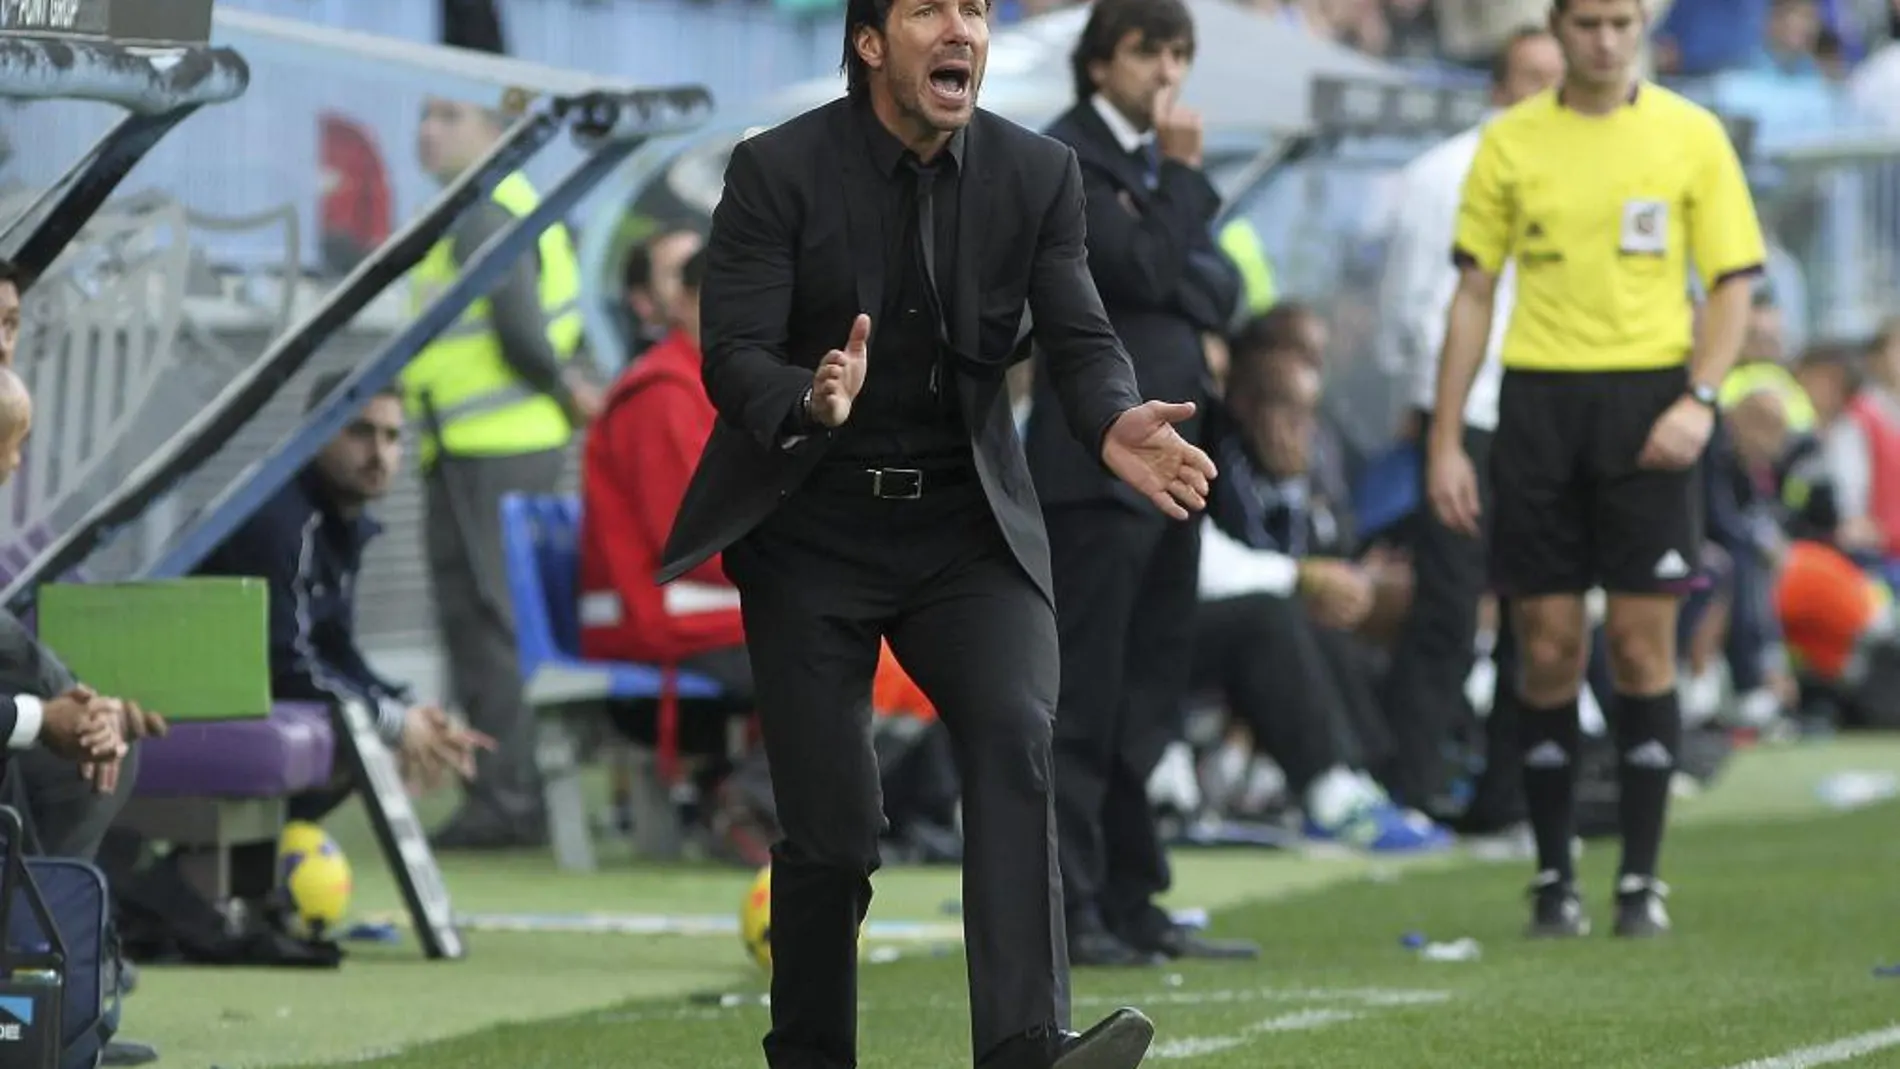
column 929, row 59
column 658, row 303
column 1282, row 416
column 1794, row 27
column 452, row 136
column 1763, row 338
column 9, row 321
column 1826, row 387
column 359, row 462
column 1139, row 72
column 1313, row 337
column 15, row 445
column 1536, row 64
column 1759, row 423
column 1600, row 39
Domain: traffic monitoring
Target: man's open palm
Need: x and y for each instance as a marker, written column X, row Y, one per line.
column 840, row 376
column 1143, row 449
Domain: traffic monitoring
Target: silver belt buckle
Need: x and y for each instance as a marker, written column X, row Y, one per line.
column 897, row 484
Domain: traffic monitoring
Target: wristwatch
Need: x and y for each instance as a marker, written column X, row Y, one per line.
column 1703, row 393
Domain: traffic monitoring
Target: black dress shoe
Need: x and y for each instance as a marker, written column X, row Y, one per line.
column 1119, row 1041
column 125, row 1052
column 1176, row 941
column 1100, row 948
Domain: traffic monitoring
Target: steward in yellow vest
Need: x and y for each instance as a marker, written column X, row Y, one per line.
column 496, row 397
column 461, row 390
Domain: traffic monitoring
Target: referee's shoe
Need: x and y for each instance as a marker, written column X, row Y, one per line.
column 1557, row 911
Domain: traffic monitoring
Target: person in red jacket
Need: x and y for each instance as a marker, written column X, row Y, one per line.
column 639, row 455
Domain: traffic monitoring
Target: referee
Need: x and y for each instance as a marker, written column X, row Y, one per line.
column 1602, row 193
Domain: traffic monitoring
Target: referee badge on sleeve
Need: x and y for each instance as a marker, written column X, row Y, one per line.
column 1645, row 228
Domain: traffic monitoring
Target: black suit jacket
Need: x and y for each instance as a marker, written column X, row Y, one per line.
column 793, row 259
column 1164, row 281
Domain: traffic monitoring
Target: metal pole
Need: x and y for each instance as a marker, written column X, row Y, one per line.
column 616, row 117
column 260, row 481
column 159, row 91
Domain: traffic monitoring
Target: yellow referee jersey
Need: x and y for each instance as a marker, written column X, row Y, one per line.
column 1604, row 215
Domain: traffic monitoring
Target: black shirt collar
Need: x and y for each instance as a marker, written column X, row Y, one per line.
column 888, row 153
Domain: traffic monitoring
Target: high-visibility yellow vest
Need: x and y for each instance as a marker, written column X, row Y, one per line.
column 1241, row 243
column 1761, row 375
column 459, row 390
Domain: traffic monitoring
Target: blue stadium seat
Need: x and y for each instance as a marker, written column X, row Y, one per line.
column 541, row 550
column 541, row 546
column 1386, row 493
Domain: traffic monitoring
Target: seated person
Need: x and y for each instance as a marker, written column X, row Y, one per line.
column 307, row 544
column 1844, row 488
column 69, row 812
column 1279, row 602
column 50, row 721
column 640, row 454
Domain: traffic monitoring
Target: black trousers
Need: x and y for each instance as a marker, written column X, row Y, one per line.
column 1125, row 598
column 822, row 580
column 1425, row 686
column 1294, row 683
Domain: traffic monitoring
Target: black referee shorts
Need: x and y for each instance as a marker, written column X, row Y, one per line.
column 1571, row 509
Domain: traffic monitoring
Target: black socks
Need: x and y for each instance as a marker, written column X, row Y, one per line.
column 1648, row 733
column 1547, row 742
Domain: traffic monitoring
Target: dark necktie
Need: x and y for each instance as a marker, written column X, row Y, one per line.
column 1148, row 158
column 926, row 246
column 925, row 249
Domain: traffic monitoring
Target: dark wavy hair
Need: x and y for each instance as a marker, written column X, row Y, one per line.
column 1112, row 20
column 858, row 14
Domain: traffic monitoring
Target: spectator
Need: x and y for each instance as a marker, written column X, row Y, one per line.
column 1474, row 34
column 1875, row 85
column 1803, row 474
column 1701, row 37
column 1786, row 89
column 1279, row 602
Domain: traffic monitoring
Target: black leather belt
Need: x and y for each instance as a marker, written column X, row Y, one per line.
column 888, row 484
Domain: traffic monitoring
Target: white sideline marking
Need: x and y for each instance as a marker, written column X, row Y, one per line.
column 1369, row 996
column 1201, row 1046
column 1841, row 1050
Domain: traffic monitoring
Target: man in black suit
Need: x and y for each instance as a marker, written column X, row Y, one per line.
column 1125, row 578
column 867, row 272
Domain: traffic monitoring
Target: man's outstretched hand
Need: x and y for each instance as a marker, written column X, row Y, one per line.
column 840, row 376
column 434, row 747
column 1143, row 449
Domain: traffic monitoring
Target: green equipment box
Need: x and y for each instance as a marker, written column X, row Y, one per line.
column 189, row 649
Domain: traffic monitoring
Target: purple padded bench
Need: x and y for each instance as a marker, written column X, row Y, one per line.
column 224, row 784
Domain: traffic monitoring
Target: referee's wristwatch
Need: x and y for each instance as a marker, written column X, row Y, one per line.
column 1704, row 393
